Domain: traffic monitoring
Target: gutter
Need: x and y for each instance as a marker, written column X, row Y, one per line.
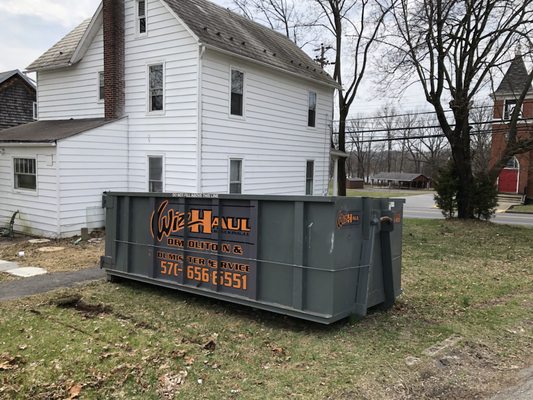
column 27, row 144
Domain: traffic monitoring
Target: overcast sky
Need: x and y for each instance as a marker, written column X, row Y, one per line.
column 30, row 27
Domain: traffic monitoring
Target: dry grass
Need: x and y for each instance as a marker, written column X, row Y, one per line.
column 72, row 258
column 467, row 281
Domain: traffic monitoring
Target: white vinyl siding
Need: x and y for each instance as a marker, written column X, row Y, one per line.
column 91, row 163
column 172, row 134
column 274, row 138
column 38, row 209
column 70, row 92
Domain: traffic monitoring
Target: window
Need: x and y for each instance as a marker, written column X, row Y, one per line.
column 309, row 176
column 512, row 164
column 100, row 85
column 156, row 87
column 141, row 17
column 237, row 91
column 311, row 113
column 235, row 176
column 155, row 174
column 509, row 108
column 35, row 112
column 25, row 173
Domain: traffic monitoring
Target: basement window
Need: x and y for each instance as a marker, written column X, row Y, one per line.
column 25, row 173
column 141, row 17
column 237, row 92
column 156, row 87
column 311, row 110
column 155, row 174
column 309, row 177
column 235, row 176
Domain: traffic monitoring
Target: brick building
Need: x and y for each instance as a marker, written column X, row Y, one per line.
column 17, row 99
column 517, row 176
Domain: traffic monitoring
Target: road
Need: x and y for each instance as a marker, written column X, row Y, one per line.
column 423, row 206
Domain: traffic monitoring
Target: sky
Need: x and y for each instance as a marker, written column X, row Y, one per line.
column 30, row 27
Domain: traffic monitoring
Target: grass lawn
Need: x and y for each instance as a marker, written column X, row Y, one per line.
column 467, row 285
column 527, row 209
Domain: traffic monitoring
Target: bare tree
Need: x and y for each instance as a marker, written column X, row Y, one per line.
column 452, row 47
column 354, row 26
column 289, row 17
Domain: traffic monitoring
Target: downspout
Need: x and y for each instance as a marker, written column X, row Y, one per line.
column 58, row 189
column 200, row 121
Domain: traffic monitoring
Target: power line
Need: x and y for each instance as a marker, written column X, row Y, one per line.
column 419, row 127
column 406, row 115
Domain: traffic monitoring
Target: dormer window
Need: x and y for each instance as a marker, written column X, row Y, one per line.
column 509, row 107
column 141, row 17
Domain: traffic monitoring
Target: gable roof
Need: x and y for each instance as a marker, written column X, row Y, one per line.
column 50, row 131
column 4, row 76
column 225, row 30
column 515, row 78
column 215, row 27
column 60, row 54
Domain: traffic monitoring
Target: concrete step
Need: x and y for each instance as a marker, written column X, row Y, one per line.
column 510, row 198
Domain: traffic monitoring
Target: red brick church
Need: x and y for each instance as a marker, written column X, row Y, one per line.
column 517, row 176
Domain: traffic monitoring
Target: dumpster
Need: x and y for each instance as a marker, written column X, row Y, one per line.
column 316, row 258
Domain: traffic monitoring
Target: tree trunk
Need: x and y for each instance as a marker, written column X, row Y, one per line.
column 463, row 165
column 341, row 177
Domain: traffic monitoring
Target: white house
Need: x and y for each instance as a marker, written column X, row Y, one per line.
column 165, row 95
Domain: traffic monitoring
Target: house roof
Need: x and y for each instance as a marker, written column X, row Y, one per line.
column 215, row 27
column 515, row 78
column 225, row 30
column 4, row 76
column 397, row 176
column 60, row 54
column 49, row 131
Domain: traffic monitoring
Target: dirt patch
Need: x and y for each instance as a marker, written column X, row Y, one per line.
column 73, row 257
column 86, row 309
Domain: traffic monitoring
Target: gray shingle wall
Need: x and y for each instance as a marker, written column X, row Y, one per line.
column 16, row 103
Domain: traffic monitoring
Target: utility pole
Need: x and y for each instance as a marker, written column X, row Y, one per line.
column 322, row 60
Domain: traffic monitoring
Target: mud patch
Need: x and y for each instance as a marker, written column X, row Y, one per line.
column 88, row 310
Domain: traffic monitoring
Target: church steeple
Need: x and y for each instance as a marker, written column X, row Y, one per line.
column 515, row 78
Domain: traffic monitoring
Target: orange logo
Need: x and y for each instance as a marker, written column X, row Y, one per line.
column 347, row 218
column 196, row 220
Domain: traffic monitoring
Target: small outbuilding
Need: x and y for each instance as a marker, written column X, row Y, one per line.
column 401, row 180
column 355, row 183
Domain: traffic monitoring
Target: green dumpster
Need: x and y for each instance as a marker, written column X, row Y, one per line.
column 316, row 258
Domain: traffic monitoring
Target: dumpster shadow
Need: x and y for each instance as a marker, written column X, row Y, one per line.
column 247, row 313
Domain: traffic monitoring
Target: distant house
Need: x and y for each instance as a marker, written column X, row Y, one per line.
column 401, row 180
column 517, row 176
column 165, row 95
column 17, row 99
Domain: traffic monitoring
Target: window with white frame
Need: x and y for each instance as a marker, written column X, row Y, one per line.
column 35, row 111
column 509, row 106
column 309, row 177
column 141, row 17
column 100, row 85
column 311, row 110
column 25, row 173
column 156, row 87
column 235, row 175
column 155, row 174
column 237, row 92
